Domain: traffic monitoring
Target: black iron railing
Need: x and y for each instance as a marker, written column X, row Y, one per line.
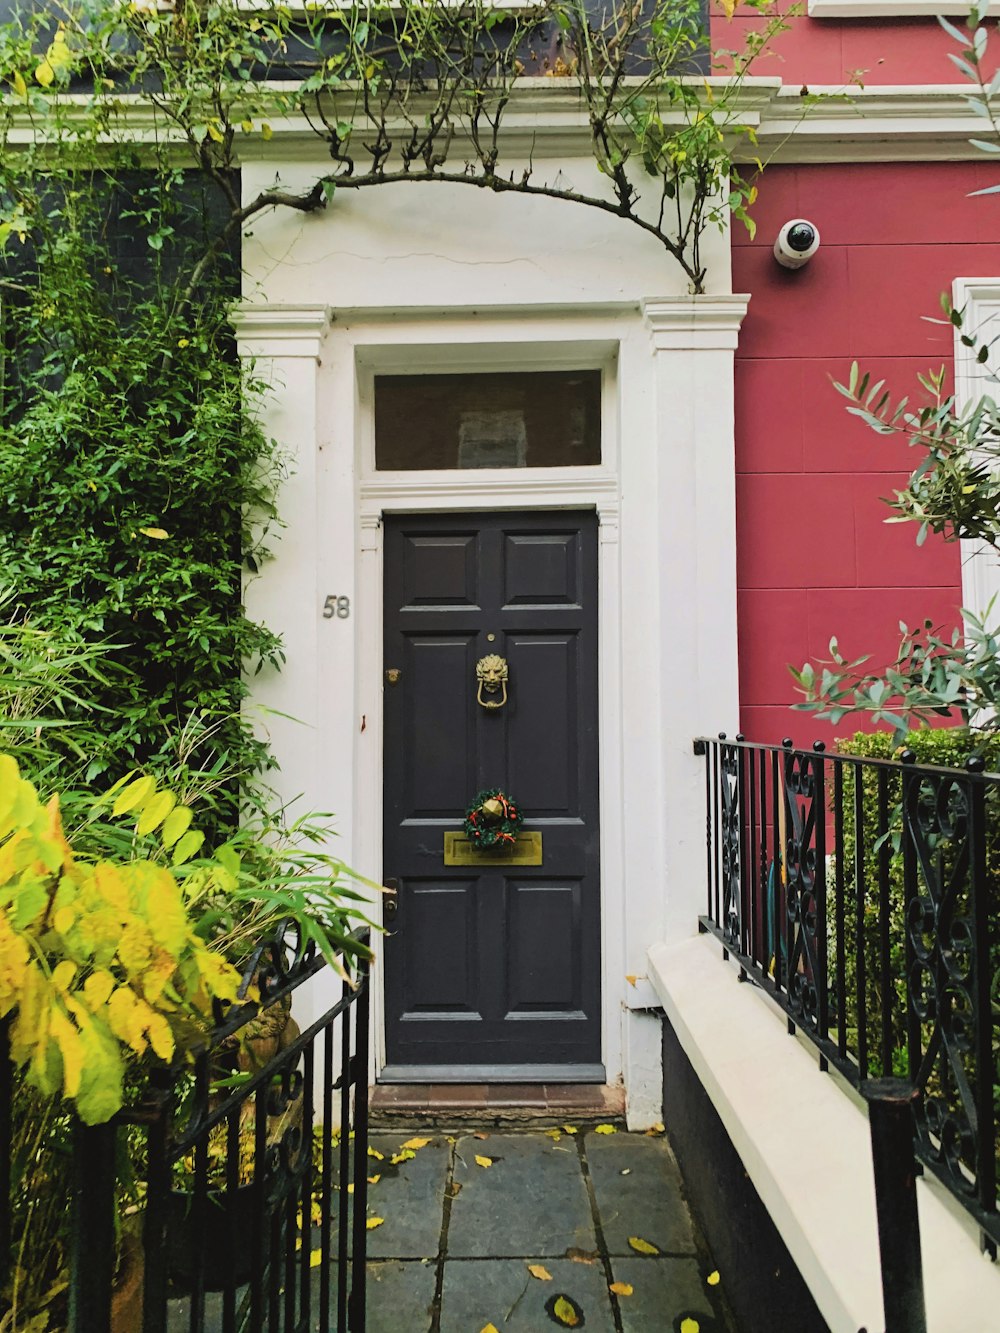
column 864, row 896
column 249, row 1168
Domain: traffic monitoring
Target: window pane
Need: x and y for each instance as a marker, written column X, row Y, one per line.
column 526, row 419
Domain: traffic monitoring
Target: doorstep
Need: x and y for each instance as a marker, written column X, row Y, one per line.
column 539, row 1104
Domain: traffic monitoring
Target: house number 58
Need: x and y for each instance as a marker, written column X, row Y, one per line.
column 336, row 606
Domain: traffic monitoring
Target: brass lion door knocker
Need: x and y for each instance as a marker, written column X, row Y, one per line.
column 491, row 673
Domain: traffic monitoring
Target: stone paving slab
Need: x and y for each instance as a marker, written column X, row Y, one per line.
column 646, row 1201
column 665, row 1292
column 400, row 1297
column 409, row 1196
column 531, row 1201
column 503, row 1293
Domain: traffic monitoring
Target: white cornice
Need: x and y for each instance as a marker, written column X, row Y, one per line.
column 696, row 322
column 280, row 330
column 903, row 122
column 888, row 9
column 548, row 118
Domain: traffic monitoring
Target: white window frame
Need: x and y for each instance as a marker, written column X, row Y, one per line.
column 979, row 299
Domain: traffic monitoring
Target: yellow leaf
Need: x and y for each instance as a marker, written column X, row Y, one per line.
column 44, row 74
column 266, row 131
column 689, row 1325
column 315, row 1258
column 155, row 812
column 350, row 1188
column 554, row 1134
column 62, row 976
column 158, row 534
column 19, row 85
column 214, row 133
column 59, row 55
column 175, row 825
column 564, row 1312
column 483, row 1161
column 404, row 1155
column 246, row 126
column 605, row 1129
column 729, row 7
column 134, row 794
column 713, row 1279
column 186, row 847
column 416, row 1143
column 540, row 1271
column 570, row 1129
column 631, row 978
column 374, row 1152
column 98, row 987
column 642, row 1246
column 621, row 1288
column 373, row 1222
column 374, row 1180
column 658, row 1128
column 489, row 1328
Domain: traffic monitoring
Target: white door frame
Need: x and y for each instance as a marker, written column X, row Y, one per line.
column 488, row 490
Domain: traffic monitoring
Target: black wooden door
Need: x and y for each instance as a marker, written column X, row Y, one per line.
column 492, row 968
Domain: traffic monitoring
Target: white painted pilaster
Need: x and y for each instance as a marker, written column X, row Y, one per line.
column 285, row 345
column 693, row 342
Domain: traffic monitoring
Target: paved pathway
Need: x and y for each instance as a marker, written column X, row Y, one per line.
column 453, row 1252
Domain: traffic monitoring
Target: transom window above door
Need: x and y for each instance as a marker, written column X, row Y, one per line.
column 489, row 420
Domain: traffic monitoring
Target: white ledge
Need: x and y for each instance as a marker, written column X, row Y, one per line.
column 805, row 1144
column 888, row 9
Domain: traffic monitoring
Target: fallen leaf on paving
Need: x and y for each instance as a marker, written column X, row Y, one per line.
column 373, row 1222
column 374, row 1180
column 483, row 1161
column 374, row 1152
column 490, row 1328
column 658, row 1128
column 416, row 1143
column 631, row 978
column 581, row 1256
column 570, row 1129
column 540, row 1271
column 713, row 1279
column 689, row 1325
column 621, row 1288
column 565, row 1311
column 642, row 1246
column 605, row 1129
column 315, row 1258
column 553, row 1134
column 404, row 1155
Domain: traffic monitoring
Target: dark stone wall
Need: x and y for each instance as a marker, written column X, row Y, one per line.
column 760, row 1280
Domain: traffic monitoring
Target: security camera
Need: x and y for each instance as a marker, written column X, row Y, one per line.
column 797, row 242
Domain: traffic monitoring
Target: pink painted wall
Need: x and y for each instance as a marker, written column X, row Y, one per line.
column 835, row 51
column 815, row 556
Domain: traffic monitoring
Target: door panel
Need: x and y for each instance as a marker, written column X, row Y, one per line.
column 494, row 967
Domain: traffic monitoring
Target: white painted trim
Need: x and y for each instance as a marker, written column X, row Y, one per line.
column 269, row 330
column 888, row 9
column 706, row 323
column 487, row 490
column 803, row 1138
column 979, row 298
